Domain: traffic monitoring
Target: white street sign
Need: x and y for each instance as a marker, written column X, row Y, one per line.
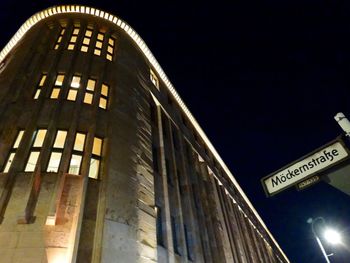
column 301, row 169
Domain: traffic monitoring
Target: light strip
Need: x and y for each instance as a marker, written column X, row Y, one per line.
column 148, row 54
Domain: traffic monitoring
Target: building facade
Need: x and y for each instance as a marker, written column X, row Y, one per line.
column 101, row 161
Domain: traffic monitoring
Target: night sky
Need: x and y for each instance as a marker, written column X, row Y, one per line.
column 264, row 80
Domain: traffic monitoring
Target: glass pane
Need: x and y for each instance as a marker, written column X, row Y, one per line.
column 37, row 93
column 94, row 167
column 54, row 94
column 73, row 39
column 60, row 139
column 103, row 103
column 74, row 166
column 91, row 85
column 86, row 41
column 39, row 139
column 18, row 140
column 97, row 52
column 97, row 146
column 109, row 57
column 104, row 90
column 76, row 31
column 56, row 46
column 42, row 80
column 54, row 162
column 72, row 94
column 9, row 162
column 111, row 41
column 79, row 142
column 100, row 36
column 59, row 80
column 84, row 48
column 33, row 158
column 75, row 82
column 88, row 98
column 99, row 44
column 70, row 47
column 62, row 31
column 59, row 39
column 88, row 33
column 110, row 49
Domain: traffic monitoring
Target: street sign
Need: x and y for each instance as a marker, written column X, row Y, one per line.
column 317, row 161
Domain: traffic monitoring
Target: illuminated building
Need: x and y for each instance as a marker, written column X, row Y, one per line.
column 102, row 161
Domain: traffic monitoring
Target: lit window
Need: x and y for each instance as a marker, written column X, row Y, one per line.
column 94, row 168
column 40, row 85
column 18, row 139
column 72, row 93
column 13, row 151
column 54, row 162
column 58, row 83
column 57, row 150
column 91, row 84
column 32, row 160
column 97, row 146
column 104, row 96
column 88, row 98
column 89, row 92
column 73, row 38
column 55, row 93
column 74, row 165
column 39, row 139
column 9, row 162
column 110, row 49
column 60, row 139
column 86, row 40
column 154, row 79
column 75, row 82
column 59, row 80
column 59, row 39
column 104, row 90
column 79, row 142
column 99, row 44
column 95, row 158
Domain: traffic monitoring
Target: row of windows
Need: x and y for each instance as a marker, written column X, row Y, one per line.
column 87, row 39
column 89, row 89
column 57, row 151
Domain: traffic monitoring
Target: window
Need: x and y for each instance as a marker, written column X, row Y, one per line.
column 73, row 90
column 154, row 79
column 159, row 229
column 89, row 91
column 57, row 88
column 175, row 236
column 110, row 48
column 77, row 155
column 99, row 44
column 95, row 158
column 188, row 241
column 73, row 39
column 104, row 96
column 59, row 39
column 35, row 150
column 13, row 151
column 86, row 40
column 40, row 86
column 56, row 154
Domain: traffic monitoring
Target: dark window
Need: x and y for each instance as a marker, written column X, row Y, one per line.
column 174, row 231
column 160, row 240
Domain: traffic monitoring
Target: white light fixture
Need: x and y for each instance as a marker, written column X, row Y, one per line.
column 332, row 236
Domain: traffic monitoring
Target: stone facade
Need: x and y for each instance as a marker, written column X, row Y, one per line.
column 102, row 162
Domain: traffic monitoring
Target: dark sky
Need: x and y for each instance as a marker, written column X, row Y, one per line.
column 263, row 79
